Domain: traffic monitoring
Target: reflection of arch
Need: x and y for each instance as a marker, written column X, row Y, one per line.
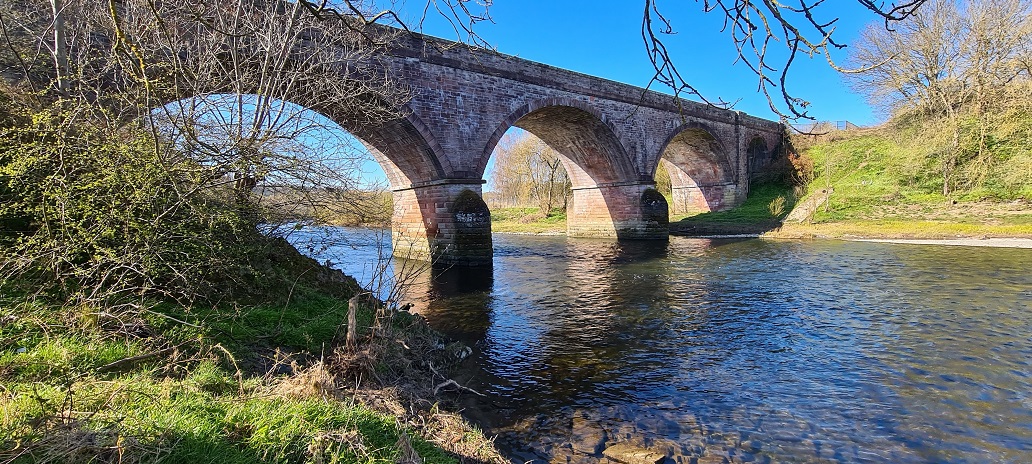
column 588, row 143
column 701, row 174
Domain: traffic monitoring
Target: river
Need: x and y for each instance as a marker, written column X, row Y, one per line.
column 739, row 350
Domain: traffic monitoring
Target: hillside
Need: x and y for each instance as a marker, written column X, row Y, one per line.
column 890, row 180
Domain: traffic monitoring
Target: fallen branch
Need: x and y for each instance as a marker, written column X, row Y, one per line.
column 450, row 382
column 455, row 384
column 133, row 360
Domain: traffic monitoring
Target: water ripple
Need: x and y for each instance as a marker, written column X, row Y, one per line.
column 750, row 350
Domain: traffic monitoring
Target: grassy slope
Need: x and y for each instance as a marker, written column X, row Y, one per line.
column 201, row 385
column 883, row 186
column 757, row 214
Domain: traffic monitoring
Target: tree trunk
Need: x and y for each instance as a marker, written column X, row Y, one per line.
column 351, row 342
column 60, row 50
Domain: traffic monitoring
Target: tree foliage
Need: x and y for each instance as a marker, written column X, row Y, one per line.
column 90, row 216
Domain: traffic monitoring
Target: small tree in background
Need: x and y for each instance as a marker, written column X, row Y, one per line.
column 529, row 172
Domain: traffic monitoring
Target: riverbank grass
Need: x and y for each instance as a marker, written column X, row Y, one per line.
column 527, row 220
column 204, row 416
column 241, row 384
column 765, row 208
column 882, row 186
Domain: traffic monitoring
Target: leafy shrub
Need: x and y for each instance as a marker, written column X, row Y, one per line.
column 91, row 214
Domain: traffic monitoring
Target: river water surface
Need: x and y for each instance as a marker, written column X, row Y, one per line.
column 741, row 350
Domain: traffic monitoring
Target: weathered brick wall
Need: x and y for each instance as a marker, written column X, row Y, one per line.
column 690, row 198
column 633, row 211
column 611, row 135
column 469, row 99
column 446, row 223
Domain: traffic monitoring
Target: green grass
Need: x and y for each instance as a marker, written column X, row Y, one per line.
column 759, row 213
column 307, row 323
column 142, row 418
column 755, row 209
column 890, row 179
column 528, row 220
column 65, row 397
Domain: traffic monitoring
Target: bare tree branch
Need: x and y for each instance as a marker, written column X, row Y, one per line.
column 765, row 33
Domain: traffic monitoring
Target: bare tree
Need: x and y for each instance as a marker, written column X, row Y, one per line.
column 763, row 32
column 222, row 93
column 949, row 61
column 944, row 55
column 996, row 32
column 527, row 171
column 916, row 65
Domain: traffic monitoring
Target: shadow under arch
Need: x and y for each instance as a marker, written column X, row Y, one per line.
column 757, row 149
column 766, row 162
column 607, row 191
column 702, row 178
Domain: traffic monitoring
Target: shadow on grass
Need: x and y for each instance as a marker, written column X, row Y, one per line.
column 755, row 216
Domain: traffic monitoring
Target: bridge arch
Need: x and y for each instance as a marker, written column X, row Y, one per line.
column 589, row 144
column 406, row 149
column 702, row 176
column 607, row 194
column 403, row 147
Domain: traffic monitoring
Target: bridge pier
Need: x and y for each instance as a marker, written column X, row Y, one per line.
column 445, row 222
column 618, row 210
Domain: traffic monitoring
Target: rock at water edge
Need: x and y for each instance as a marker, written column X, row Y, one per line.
column 631, row 454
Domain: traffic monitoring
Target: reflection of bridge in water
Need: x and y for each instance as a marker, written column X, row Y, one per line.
column 611, row 138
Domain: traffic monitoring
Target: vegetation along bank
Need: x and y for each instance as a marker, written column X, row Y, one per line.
column 150, row 307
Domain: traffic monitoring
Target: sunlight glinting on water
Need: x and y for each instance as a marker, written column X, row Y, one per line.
column 749, row 351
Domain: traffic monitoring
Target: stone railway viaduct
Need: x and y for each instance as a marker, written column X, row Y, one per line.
column 611, row 138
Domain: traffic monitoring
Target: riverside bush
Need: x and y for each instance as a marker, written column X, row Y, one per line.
column 91, row 213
